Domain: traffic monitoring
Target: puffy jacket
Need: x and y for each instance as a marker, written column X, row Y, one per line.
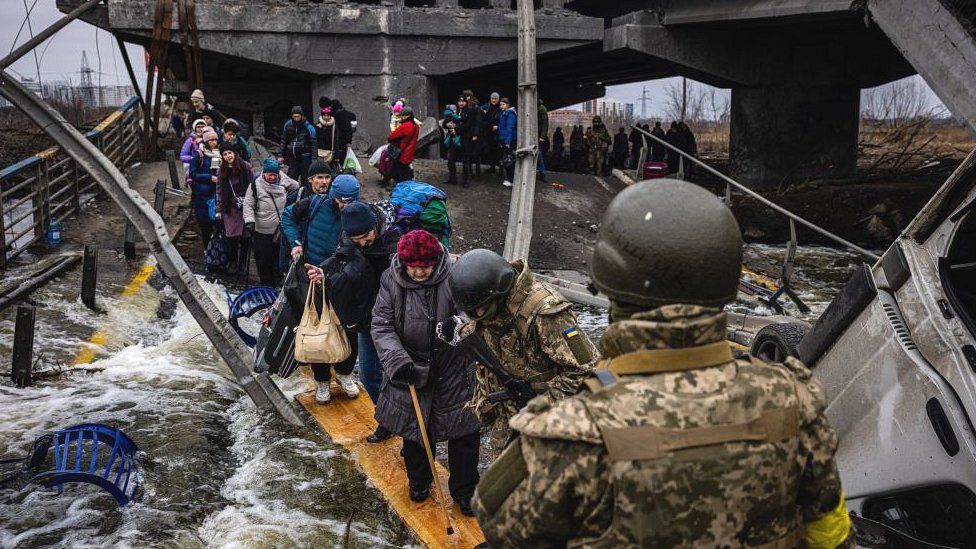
column 507, row 124
column 470, row 127
column 297, row 139
column 186, row 152
column 406, row 137
column 241, row 148
column 404, row 319
column 344, row 126
column 315, row 224
column 265, row 202
column 353, row 272
column 202, row 188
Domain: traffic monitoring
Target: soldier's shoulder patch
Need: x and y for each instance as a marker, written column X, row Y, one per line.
column 576, row 340
column 567, row 419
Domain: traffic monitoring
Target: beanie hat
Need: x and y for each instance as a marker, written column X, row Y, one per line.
column 327, row 110
column 358, row 219
column 494, row 95
column 226, row 146
column 271, row 165
column 419, row 249
column 198, row 122
column 197, row 94
column 209, row 135
column 297, row 109
column 345, row 188
column 231, row 125
column 397, row 107
column 324, row 102
column 317, row 167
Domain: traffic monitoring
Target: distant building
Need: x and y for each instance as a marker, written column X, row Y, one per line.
column 61, row 91
column 567, row 118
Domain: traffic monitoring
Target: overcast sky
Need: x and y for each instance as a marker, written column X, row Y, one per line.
column 60, row 57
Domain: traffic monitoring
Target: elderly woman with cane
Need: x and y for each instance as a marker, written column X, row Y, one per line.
column 425, row 382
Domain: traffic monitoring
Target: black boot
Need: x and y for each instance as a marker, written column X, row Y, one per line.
column 419, row 494
column 465, row 506
column 379, row 435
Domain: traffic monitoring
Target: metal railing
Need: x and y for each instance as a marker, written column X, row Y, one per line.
column 50, row 183
column 731, row 183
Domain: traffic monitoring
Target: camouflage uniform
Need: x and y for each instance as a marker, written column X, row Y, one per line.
column 569, row 481
column 599, row 141
column 536, row 338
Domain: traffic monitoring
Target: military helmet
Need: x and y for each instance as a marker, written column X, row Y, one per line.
column 479, row 276
column 666, row 241
column 597, row 119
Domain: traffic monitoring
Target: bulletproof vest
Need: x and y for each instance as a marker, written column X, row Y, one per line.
column 525, row 307
column 701, row 469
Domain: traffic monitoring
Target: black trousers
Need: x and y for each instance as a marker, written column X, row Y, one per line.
column 323, row 372
column 298, row 168
column 206, row 231
column 266, row 258
column 462, row 462
column 402, row 172
column 452, row 158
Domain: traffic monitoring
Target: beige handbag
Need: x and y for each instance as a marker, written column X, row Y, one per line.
column 325, row 155
column 320, row 339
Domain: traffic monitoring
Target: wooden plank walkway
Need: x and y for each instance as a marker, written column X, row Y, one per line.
column 349, row 421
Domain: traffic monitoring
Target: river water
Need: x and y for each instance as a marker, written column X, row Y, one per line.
column 218, row 473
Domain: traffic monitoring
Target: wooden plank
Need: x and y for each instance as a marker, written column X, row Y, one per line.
column 349, row 421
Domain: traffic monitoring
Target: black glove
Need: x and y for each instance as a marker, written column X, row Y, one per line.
column 404, row 373
column 451, row 331
column 249, row 226
column 520, row 391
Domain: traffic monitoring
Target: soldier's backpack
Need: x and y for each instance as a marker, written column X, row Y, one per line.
column 420, row 205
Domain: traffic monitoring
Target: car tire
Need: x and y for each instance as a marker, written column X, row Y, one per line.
column 776, row 342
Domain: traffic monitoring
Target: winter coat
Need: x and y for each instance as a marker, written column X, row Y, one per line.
column 451, row 141
column 469, row 128
column 265, row 202
column 507, row 124
column 230, row 187
column 406, row 138
column 314, row 223
column 186, row 152
column 344, row 127
column 297, row 139
column 202, row 188
column 326, row 136
column 353, row 272
column 558, row 140
column 404, row 317
column 620, row 145
column 490, row 115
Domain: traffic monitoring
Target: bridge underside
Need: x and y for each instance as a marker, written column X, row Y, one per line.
column 795, row 67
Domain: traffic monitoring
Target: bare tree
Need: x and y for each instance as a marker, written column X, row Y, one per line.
column 900, row 103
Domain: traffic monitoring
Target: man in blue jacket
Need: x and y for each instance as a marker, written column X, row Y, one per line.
column 507, row 134
column 312, row 226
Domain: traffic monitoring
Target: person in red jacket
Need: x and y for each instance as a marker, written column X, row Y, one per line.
column 405, row 138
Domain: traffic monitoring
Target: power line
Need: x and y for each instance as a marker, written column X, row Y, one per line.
column 30, row 27
column 21, row 29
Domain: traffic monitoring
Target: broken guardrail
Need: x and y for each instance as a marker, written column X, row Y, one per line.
column 260, row 388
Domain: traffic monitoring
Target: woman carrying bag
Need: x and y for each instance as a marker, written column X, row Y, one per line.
column 413, row 298
column 233, row 178
column 325, row 132
column 265, row 199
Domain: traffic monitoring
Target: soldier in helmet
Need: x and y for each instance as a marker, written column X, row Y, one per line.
column 599, row 141
column 527, row 325
column 674, row 443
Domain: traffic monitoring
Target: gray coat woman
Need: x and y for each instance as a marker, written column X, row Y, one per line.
column 413, row 298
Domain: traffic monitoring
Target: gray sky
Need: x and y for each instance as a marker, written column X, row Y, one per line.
column 59, row 58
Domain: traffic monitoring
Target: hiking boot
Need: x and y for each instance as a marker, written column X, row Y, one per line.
column 379, row 435
column 348, row 384
column 465, row 505
column 419, row 494
column 506, row 183
column 323, row 393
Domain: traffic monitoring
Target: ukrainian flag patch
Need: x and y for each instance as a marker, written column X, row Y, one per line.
column 571, row 332
column 577, row 345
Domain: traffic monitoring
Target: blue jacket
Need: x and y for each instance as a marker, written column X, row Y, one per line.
column 315, row 223
column 203, row 188
column 507, row 134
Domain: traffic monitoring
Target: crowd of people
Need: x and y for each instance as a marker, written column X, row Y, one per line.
column 655, row 447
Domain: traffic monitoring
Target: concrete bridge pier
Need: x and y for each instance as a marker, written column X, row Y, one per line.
column 369, row 96
column 793, row 132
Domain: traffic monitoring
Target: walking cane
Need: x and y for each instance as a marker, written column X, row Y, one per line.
column 430, row 458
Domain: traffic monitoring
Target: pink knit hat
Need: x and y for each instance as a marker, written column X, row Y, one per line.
column 209, row 135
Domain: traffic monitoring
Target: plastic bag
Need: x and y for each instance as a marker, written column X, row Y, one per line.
column 375, row 158
column 351, row 162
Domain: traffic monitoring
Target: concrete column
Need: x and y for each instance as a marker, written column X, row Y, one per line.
column 369, row 96
column 793, row 132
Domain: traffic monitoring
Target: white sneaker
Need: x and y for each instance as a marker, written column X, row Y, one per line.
column 506, row 183
column 349, row 385
column 323, row 393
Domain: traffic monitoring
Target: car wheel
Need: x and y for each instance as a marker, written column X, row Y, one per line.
column 775, row 342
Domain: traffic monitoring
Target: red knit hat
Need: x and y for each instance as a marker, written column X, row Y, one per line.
column 419, row 249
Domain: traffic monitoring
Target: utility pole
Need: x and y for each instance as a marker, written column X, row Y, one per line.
column 519, row 234
column 644, row 100
column 684, row 98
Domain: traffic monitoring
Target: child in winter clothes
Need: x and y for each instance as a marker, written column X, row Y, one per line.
column 452, row 142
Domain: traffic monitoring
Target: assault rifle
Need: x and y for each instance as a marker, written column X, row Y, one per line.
column 458, row 333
